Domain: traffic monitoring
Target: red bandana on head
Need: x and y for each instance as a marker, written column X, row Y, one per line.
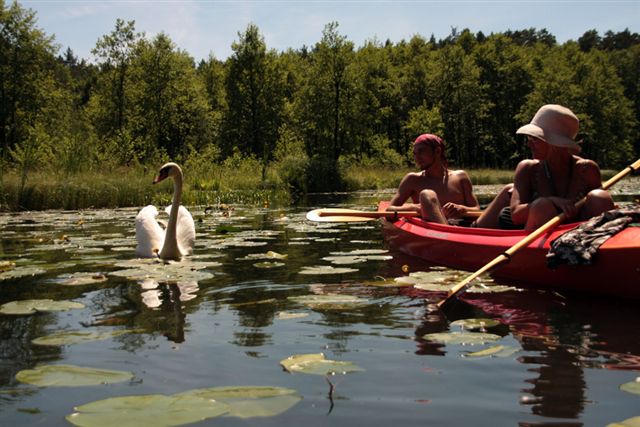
column 433, row 141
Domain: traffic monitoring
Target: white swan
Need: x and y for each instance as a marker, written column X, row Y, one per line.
column 180, row 235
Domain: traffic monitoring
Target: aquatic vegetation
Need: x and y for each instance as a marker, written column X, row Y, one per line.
column 326, row 269
column 317, row 364
column 150, row 409
column 37, row 305
column 329, row 302
column 495, row 351
column 70, row 376
column 632, row 387
column 250, row 401
column 476, row 323
column 76, row 337
column 466, row 338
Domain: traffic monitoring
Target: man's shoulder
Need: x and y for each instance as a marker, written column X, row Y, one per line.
column 459, row 174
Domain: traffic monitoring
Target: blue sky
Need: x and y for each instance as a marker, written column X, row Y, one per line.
column 203, row 27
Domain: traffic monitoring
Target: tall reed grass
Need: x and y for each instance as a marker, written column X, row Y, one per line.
column 232, row 182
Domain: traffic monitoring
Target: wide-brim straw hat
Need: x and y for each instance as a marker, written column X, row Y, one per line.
column 555, row 125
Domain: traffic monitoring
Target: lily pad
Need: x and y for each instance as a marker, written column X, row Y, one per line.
column 250, row 401
column 21, row 271
column 80, row 279
column 186, row 270
column 434, row 280
column 6, row 266
column 470, row 338
column 267, row 265
column 629, row 422
column 150, row 409
column 495, row 351
column 75, row 337
column 285, row 315
column 632, row 386
column 70, row 376
column 335, row 302
column 317, row 364
column 474, row 324
column 32, row 306
column 326, row 269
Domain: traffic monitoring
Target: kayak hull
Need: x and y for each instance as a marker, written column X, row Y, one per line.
column 616, row 270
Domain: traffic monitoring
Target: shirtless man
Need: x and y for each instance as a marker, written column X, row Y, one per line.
column 436, row 192
column 556, row 178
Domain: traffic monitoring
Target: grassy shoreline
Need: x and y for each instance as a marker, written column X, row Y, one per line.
column 131, row 187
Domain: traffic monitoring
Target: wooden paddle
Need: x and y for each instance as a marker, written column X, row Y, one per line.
column 352, row 215
column 549, row 225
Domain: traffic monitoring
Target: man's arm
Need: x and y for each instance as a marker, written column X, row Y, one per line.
column 403, row 193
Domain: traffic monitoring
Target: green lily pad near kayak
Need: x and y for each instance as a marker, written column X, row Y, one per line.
column 495, row 351
column 151, row 410
column 250, row 401
column 629, row 422
column 473, row 324
column 329, row 302
column 632, row 387
column 317, row 364
column 70, row 376
column 470, row 338
column 326, row 269
column 32, row 306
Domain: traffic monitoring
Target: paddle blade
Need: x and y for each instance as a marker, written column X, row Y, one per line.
column 337, row 215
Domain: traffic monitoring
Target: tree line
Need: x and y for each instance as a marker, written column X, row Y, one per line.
column 306, row 110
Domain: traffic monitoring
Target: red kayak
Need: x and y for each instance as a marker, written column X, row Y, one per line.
column 616, row 270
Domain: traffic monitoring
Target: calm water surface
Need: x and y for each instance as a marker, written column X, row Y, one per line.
column 220, row 322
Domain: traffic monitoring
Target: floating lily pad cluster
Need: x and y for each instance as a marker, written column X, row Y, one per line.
column 186, row 407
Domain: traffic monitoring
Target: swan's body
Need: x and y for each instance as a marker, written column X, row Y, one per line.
column 180, row 235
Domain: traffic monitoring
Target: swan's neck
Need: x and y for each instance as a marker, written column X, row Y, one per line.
column 170, row 248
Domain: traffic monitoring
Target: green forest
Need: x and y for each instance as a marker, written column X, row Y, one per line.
column 297, row 119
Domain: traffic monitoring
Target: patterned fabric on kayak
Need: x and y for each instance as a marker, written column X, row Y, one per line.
column 579, row 246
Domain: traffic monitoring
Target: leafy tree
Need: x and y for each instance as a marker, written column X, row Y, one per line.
column 461, row 97
column 115, row 52
column 326, row 95
column 254, row 97
column 504, row 71
column 26, row 55
column 170, row 109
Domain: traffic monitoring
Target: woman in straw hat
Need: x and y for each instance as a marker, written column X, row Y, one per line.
column 555, row 178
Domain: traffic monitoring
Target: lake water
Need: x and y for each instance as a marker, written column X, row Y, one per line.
column 258, row 290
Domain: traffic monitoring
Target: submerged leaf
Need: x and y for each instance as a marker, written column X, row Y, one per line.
column 250, row 401
column 70, row 376
column 495, row 351
column 317, row 364
column 35, row 305
column 150, row 409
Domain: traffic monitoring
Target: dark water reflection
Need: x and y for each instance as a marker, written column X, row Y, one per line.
column 570, row 353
